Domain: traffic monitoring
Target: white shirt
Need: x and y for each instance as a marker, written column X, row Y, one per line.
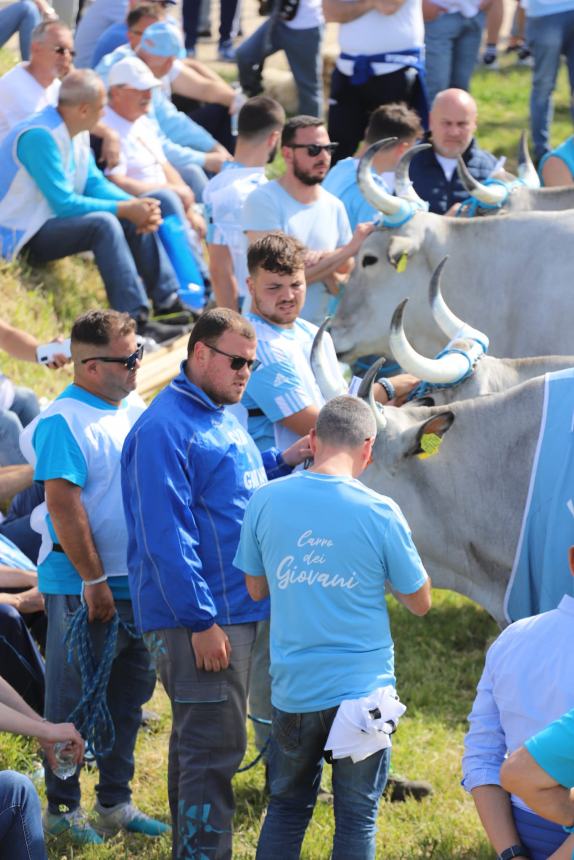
column 309, row 14
column 374, row 33
column 141, row 155
column 527, row 683
column 21, row 96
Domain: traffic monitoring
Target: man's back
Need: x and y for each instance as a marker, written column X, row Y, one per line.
column 326, row 566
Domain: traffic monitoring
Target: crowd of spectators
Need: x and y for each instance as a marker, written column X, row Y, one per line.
column 116, row 140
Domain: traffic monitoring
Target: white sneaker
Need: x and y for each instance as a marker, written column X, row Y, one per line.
column 76, row 823
column 126, row 816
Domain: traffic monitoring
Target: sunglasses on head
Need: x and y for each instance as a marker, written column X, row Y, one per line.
column 129, row 362
column 313, row 149
column 62, row 50
column 237, row 362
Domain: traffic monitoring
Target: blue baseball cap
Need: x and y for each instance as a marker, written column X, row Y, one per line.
column 162, row 39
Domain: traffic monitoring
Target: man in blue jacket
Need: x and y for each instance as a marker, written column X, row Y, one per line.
column 188, row 471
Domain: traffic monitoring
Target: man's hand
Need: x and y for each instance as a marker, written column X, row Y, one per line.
column 26, row 601
column 100, row 602
column 58, row 360
column 54, row 733
column 144, row 212
column 212, row 649
column 359, row 235
column 215, row 160
column 197, row 222
column 298, row 452
column 184, row 193
column 403, row 384
column 111, row 148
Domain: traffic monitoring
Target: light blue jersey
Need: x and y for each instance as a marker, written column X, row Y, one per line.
column 341, row 181
column 320, row 226
column 327, row 546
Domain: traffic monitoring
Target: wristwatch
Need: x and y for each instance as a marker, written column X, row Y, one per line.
column 513, row 851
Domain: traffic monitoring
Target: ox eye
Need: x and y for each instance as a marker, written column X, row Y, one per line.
column 369, row 260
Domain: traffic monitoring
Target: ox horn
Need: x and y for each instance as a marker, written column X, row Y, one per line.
column 403, row 185
column 440, row 371
column 447, row 321
column 493, row 195
column 526, row 170
column 374, row 194
column 329, row 385
column 366, row 393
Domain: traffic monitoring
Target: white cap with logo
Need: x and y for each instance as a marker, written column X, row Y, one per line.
column 132, row 72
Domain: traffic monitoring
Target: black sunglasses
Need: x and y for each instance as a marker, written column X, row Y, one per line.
column 313, row 149
column 129, row 362
column 237, row 361
column 62, row 50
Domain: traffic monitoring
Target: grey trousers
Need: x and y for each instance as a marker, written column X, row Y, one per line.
column 208, row 739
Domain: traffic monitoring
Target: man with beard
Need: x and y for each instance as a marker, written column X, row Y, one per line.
column 188, row 471
column 297, row 205
column 259, row 127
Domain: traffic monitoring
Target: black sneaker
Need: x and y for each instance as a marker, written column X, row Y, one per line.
column 160, row 332
column 178, row 313
column 399, row 789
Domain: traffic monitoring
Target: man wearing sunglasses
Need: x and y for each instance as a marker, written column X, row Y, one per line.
column 75, row 447
column 188, row 471
column 297, row 205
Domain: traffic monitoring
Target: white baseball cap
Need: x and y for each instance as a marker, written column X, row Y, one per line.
column 132, row 72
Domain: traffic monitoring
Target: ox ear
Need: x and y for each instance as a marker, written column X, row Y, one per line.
column 400, row 249
column 430, row 434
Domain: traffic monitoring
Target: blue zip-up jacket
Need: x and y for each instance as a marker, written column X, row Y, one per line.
column 188, row 470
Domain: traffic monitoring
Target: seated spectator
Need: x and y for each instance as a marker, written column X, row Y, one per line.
column 143, row 168
column 259, row 129
column 557, row 167
column 21, row 18
column 433, row 172
column 16, row 524
column 55, row 202
column 21, row 834
column 117, row 34
column 186, row 144
column 95, row 20
column 392, row 120
column 526, row 683
column 29, row 87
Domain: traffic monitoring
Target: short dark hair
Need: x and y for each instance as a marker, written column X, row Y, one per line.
column 276, row 252
column 260, row 116
column 215, row 322
column 135, row 15
column 393, row 120
column 98, row 327
column 296, row 122
column 345, row 422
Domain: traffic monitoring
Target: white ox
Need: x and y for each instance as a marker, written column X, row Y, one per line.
column 512, row 276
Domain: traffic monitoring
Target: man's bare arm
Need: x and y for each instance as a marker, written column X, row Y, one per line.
column 495, row 812
column 522, row 775
column 301, row 422
column 223, row 278
column 196, row 86
column 419, row 602
column 14, row 479
column 72, row 526
column 257, row 586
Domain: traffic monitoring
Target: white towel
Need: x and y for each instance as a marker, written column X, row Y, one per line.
column 364, row 726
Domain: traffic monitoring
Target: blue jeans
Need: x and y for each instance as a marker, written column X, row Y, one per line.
column 131, row 685
column 451, row 44
column 21, row 833
column 548, row 37
column 303, row 51
column 12, row 421
column 295, row 765
column 124, row 258
column 21, row 17
column 190, row 17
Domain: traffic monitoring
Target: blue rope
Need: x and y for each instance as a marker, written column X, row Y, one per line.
column 91, row 716
column 469, row 208
column 260, row 721
column 426, row 387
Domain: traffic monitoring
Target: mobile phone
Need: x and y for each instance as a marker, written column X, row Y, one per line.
column 45, row 352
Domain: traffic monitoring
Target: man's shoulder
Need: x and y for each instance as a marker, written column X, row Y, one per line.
column 475, row 155
column 341, row 176
column 14, row 75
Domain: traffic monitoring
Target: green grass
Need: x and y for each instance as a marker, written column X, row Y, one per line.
column 439, row 658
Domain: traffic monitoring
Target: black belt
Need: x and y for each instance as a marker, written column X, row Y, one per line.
column 255, row 413
column 57, row 547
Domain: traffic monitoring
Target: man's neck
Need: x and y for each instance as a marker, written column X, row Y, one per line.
column 250, row 156
column 44, row 78
column 97, row 394
column 297, row 189
column 336, row 463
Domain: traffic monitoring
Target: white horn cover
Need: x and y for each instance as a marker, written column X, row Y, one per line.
column 441, row 371
column 403, row 185
column 373, row 193
column 329, row 385
column 493, row 195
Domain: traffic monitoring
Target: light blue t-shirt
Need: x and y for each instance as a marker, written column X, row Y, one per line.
column 341, row 181
column 320, row 226
column 327, row 546
column 58, row 455
column 553, row 749
column 538, row 8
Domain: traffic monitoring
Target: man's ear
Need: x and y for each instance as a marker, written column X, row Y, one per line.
column 249, row 282
column 400, row 247
column 313, row 440
column 571, row 559
column 430, row 435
